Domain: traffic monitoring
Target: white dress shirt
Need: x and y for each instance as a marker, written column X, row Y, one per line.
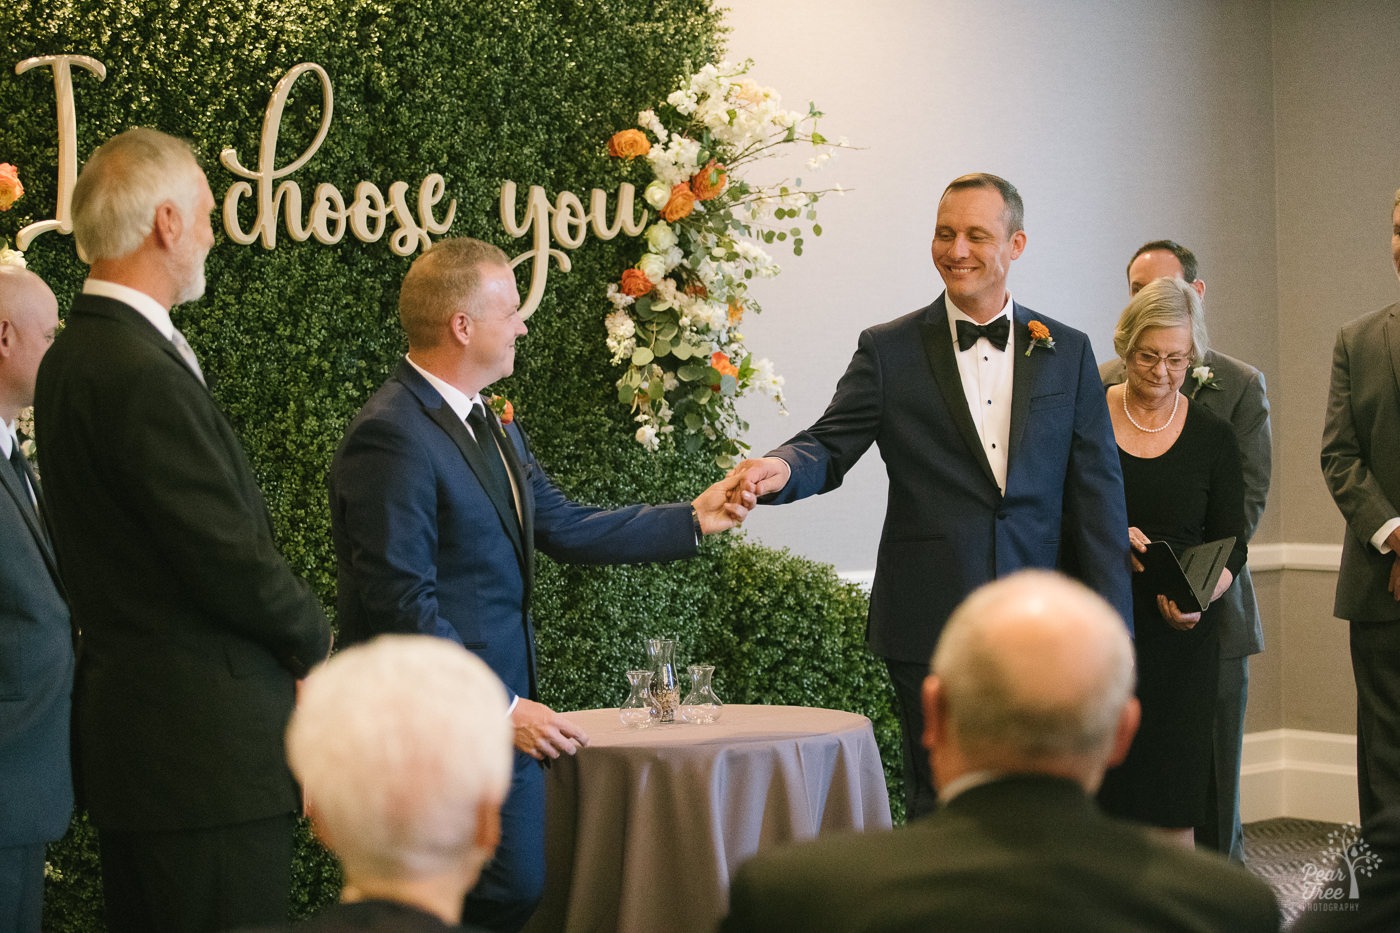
column 986, row 382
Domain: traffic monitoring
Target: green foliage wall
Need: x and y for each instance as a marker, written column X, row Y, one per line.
column 295, row 339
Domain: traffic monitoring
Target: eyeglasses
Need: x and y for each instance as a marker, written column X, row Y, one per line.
column 1175, row 363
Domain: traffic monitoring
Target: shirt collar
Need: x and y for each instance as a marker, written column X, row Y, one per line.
column 956, row 314
column 460, row 403
column 966, row 782
column 8, row 438
column 144, row 304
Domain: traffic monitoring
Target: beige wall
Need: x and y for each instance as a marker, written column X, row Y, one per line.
column 1264, row 135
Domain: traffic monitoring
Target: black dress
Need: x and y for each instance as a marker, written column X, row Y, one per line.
column 1191, row 494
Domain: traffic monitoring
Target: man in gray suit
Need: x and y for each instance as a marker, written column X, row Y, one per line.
column 1029, row 700
column 36, row 639
column 1235, row 391
column 1361, row 463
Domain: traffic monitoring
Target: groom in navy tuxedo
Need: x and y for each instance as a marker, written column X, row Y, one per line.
column 437, row 509
column 992, row 424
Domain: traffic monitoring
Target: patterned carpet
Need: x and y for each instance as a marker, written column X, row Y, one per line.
column 1289, row 854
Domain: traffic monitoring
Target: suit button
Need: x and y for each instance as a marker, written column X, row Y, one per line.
column 1001, row 515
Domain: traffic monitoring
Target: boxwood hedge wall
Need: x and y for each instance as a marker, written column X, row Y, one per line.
column 295, row 339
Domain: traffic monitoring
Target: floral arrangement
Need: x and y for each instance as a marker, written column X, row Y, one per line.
column 1040, row 337
column 676, row 313
column 505, row 411
column 11, row 190
column 1205, row 378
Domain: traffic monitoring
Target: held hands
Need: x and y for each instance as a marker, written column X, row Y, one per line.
column 725, row 504
column 766, row 474
column 542, row 733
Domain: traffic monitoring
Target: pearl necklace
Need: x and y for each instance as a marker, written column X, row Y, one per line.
column 1176, row 400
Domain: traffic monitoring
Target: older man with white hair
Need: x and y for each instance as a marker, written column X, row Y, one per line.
column 403, row 745
column 1029, row 701
column 193, row 628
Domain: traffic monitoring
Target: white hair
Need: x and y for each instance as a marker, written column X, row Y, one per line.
column 121, row 185
column 397, row 742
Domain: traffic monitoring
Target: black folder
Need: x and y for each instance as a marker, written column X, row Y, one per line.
column 1188, row 579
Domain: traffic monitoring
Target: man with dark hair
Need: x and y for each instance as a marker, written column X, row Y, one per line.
column 438, row 508
column 1029, row 701
column 193, row 628
column 996, row 438
column 1361, row 463
column 1235, row 391
column 36, row 637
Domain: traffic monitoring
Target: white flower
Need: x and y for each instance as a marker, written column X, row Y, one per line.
column 653, row 267
column 12, row 257
column 660, row 237
column 1201, row 373
column 646, row 436
column 657, row 194
column 618, row 298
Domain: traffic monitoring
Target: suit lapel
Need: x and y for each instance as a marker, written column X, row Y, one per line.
column 20, row 495
column 1023, row 370
column 443, row 415
column 938, row 347
column 515, row 467
column 1392, row 342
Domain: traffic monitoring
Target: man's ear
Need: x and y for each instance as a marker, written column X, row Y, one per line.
column 169, row 224
column 935, row 712
column 460, row 328
column 7, row 336
column 1200, row 288
column 1128, row 721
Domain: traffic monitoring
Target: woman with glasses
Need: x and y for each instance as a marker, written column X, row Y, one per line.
column 1183, row 483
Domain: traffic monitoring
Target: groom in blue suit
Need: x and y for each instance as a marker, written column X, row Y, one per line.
column 437, row 509
column 992, row 424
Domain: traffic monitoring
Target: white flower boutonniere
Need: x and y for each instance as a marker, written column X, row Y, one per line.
column 1204, row 377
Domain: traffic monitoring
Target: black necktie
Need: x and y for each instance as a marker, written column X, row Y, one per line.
column 486, row 440
column 997, row 332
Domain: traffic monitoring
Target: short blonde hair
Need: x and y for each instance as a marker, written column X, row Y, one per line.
column 440, row 283
column 1165, row 302
column 121, row 185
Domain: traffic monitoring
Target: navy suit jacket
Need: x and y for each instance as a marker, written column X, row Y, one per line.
column 425, row 544
column 948, row 527
column 36, row 676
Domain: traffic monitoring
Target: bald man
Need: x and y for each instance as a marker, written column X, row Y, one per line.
column 1029, row 701
column 36, row 641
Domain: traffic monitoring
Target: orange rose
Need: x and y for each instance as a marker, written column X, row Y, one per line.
column 628, row 144
column 709, row 181
column 680, row 205
column 720, row 363
column 503, row 408
column 10, row 188
column 635, row 284
column 1038, row 331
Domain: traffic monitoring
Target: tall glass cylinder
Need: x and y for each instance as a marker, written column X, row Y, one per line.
column 665, row 691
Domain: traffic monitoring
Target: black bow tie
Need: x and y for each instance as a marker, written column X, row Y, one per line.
column 997, row 332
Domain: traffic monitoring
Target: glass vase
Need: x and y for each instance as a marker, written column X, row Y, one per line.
column 665, row 691
column 638, row 711
column 700, row 705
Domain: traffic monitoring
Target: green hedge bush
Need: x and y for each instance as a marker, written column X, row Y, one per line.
column 295, row 339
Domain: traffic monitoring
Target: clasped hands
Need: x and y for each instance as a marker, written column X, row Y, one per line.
column 1181, row 621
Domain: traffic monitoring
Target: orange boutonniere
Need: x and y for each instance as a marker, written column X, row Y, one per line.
column 1040, row 337
column 503, row 408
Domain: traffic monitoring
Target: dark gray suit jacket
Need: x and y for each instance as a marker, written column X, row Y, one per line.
column 1026, row 852
column 194, row 629
column 36, row 676
column 1361, row 458
column 1237, row 395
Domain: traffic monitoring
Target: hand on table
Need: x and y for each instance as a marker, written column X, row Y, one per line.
column 542, row 733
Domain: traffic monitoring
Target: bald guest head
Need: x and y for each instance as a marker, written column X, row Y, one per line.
column 28, row 322
column 1033, row 674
